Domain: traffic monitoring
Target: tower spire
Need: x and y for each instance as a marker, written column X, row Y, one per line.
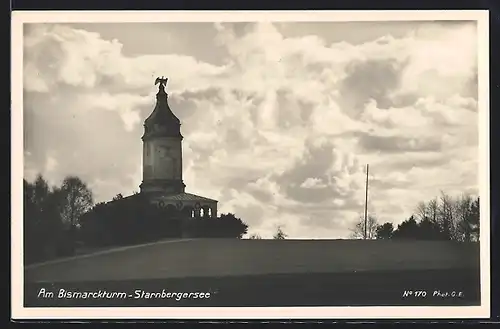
column 162, row 121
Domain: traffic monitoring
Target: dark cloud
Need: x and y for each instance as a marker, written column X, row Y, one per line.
column 235, row 141
column 409, row 163
column 183, row 108
column 212, row 94
column 191, row 107
column 241, row 29
column 313, row 68
column 189, row 102
column 396, row 144
column 304, row 194
column 404, row 100
column 162, row 38
column 264, row 196
column 371, row 79
column 315, row 163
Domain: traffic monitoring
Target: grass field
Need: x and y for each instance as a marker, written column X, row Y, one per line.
column 227, row 257
column 267, row 273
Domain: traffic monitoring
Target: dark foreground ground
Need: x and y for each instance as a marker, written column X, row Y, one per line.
column 264, row 273
column 404, row 288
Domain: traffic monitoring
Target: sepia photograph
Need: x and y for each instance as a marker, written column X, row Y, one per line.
column 330, row 163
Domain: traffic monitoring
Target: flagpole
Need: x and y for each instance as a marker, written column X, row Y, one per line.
column 366, row 202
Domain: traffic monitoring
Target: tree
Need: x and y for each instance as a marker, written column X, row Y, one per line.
column 475, row 220
column 429, row 230
column 408, row 229
column 432, row 208
column 385, row 231
column 423, row 211
column 41, row 192
column 358, row 230
column 36, row 236
column 462, row 213
column 255, row 236
column 229, row 225
column 467, row 218
column 119, row 196
column 226, row 226
column 43, row 226
column 445, row 216
column 76, row 199
column 280, row 234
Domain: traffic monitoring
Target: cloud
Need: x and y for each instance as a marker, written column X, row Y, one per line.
column 313, row 182
column 279, row 130
column 389, row 144
column 370, row 80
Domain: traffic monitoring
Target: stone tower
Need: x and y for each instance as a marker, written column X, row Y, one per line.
column 162, row 148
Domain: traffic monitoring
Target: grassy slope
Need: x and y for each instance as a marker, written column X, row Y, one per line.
column 228, row 257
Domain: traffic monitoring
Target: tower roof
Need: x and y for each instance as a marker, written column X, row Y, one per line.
column 162, row 122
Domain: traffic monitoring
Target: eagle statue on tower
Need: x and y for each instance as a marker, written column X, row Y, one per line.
column 162, row 81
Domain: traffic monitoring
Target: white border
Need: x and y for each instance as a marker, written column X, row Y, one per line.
column 19, row 312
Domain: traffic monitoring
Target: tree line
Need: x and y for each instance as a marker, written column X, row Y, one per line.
column 51, row 217
column 131, row 220
column 443, row 218
column 279, row 234
column 59, row 220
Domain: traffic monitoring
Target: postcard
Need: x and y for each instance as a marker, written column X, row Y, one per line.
column 250, row 165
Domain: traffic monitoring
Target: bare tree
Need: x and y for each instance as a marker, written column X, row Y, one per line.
column 280, row 234
column 358, row 230
column 422, row 212
column 255, row 236
column 445, row 216
column 467, row 217
column 432, row 210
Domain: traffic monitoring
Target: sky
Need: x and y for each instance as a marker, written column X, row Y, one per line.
column 279, row 119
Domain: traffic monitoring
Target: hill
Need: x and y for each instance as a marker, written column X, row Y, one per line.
column 226, row 257
column 269, row 273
